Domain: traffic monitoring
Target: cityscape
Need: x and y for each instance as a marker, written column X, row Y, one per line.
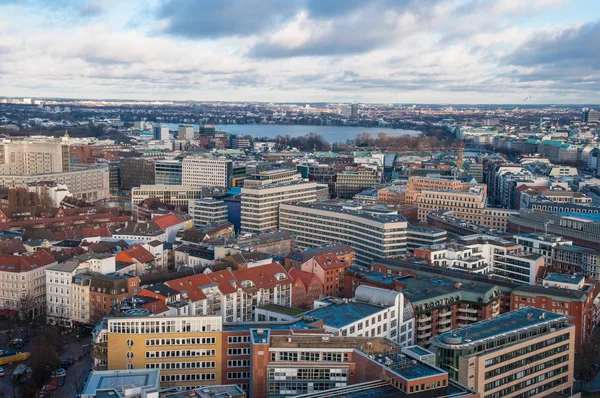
column 304, row 199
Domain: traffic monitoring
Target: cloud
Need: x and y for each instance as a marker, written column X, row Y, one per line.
column 222, row 18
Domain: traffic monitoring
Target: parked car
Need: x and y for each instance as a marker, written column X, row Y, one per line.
column 17, row 342
column 66, row 363
column 58, row 373
column 2, row 371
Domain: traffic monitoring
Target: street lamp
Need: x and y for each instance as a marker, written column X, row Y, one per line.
column 546, row 225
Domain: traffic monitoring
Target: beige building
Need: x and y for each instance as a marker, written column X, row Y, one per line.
column 23, row 282
column 467, row 205
column 434, row 183
column 524, row 353
column 176, row 195
column 202, row 171
column 260, row 204
column 33, row 157
column 89, row 182
column 80, row 304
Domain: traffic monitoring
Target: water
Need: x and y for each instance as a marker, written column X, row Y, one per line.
column 330, row 133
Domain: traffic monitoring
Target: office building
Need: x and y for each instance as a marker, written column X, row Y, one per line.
column 371, row 235
column 591, row 116
column 529, row 352
column 122, row 383
column 161, row 132
column 354, row 110
column 351, row 182
column 201, row 171
column 185, row 132
column 541, row 243
column 175, row 195
column 421, row 236
column 207, row 212
column 136, row 172
column 167, row 172
column 576, row 259
column 260, row 201
column 88, row 182
column 33, row 157
column 114, row 176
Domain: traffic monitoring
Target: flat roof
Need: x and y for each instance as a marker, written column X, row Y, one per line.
column 281, row 309
column 495, row 327
column 106, row 379
column 340, row 315
column 564, row 278
column 339, row 208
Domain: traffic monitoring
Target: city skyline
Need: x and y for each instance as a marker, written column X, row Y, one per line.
column 440, row 51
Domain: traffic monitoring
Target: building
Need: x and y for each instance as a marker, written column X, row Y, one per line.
column 350, row 182
column 306, row 288
column 175, row 195
column 464, row 205
column 529, row 352
column 23, row 282
column 541, row 243
column 136, row 172
column 354, row 110
column 122, row 383
column 161, row 132
column 371, row 235
column 207, row 212
column 167, row 172
column 591, row 116
column 34, row 157
column 201, row 171
column 89, row 182
column 260, row 203
column 108, row 290
column 296, row 258
column 185, row 132
column 574, row 259
column 329, row 269
column 420, row 236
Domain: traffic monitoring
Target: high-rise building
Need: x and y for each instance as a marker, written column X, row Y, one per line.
column 260, row 201
column 185, row 132
column 202, row 171
column 167, row 172
column 161, row 132
column 590, row 116
column 136, row 172
column 354, row 110
column 207, row 212
column 371, row 235
column 529, row 352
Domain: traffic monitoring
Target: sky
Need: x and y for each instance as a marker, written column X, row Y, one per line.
column 381, row 51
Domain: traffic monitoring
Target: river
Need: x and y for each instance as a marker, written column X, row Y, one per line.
column 330, row 133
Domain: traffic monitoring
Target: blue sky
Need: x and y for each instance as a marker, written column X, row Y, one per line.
column 422, row 51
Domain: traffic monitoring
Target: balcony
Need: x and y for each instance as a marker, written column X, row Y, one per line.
column 468, row 318
column 424, row 335
column 424, row 318
column 445, row 321
column 468, row 310
column 424, row 327
column 445, row 313
column 444, row 330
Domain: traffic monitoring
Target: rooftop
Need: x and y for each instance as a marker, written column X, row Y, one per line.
column 106, row 379
column 339, row 208
column 340, row 315
column 564, row 278
column 495, row 327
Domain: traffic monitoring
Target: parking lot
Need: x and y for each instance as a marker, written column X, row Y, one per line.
column 77, row 349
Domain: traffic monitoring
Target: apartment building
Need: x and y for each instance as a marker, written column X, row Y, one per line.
column 108, row 290
column 569, row 258
column 371, row 235
column 207, row 212
column 541, row 243
column 260, row 203
column 201, row 171
column 485, row 255
column 23, row 282
column 176, row 195
column 80, row 308
column 528, row 352
column 33, row 157
column 564, row 294
column 421, row 236
column 329, row 270
column 438, row 183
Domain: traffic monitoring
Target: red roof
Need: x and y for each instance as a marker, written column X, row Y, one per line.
column 193, row 285
column 263, row 276
column 329, row 261
column 167, row 221
column 135, row 252
column 304, row 277
column 25, row 263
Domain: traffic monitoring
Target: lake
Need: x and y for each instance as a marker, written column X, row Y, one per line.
column 330, row 133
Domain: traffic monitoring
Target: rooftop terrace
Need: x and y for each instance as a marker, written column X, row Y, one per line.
column 338, row 316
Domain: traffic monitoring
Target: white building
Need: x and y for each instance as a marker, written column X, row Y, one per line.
column 186, row 132
column 371, row 235
column 176, row 195
column 201, row 171
column 161, row 132
column 260, row 203
column 541, row 243
column 207, row 212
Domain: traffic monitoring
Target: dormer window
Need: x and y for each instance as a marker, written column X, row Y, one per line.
column 280, row 276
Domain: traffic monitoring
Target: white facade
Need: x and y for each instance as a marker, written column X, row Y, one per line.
column 200, row 171
column 176, row 195
column 186, row 132
column 59, row 293
column 207, row 212
column 260, row 205
column 371, row 236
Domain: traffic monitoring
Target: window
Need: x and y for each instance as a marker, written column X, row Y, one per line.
column 129, row 343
